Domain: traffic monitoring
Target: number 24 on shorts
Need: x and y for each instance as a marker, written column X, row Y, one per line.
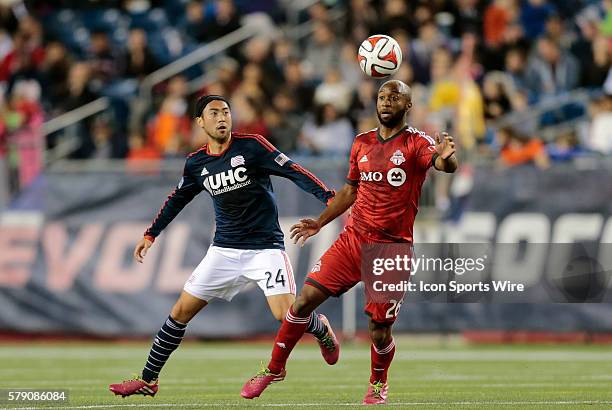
column 280, row 278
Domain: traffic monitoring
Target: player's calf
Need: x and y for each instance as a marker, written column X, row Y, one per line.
column 382, row 351
column 307, row 301
column 317, row 324
column 165, row 342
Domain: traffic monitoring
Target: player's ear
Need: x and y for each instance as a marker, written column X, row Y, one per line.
column 409, row 105
column 200, row 121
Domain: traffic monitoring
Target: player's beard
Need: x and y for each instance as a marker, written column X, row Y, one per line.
column 395, row 120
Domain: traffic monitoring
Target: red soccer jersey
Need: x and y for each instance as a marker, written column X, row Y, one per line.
column 390, row 174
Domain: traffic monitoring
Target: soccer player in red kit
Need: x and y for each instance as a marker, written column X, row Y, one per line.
column 387, row 168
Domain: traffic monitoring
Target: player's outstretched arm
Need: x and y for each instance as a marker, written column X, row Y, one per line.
column 277, row 163
column 186, row 190
column 306, row 228
column 445, row 148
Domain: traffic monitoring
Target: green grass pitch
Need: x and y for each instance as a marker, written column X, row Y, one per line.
column 423, row 375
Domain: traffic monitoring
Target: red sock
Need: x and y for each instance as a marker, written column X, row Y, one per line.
column 291, row 330
column 381, row 360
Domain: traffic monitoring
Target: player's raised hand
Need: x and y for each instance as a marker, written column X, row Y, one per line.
column 445, row 146
column 141, row 249
column 300, row 232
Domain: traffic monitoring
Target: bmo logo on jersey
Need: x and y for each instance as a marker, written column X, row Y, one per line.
column 226, row 181
column 371, row 176
column 395, row 176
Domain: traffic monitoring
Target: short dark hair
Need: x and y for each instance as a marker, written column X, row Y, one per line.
column 204, row 100
column 549, row 39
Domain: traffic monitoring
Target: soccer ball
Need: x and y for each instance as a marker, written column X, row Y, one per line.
column 379, row 56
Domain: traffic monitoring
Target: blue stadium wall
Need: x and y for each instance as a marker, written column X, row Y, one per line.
column 66, row 246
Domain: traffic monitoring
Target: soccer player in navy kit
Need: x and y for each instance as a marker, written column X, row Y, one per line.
column 248, row 245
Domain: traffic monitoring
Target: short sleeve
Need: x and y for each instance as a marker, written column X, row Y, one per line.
column 353, row 173
column 426, row 151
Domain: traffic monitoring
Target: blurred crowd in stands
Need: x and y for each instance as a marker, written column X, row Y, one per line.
column 477, row 69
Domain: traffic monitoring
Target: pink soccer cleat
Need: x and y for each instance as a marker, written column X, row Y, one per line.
column 377, row 393
column 134, row 386
column 258, row 383
column 330, row 348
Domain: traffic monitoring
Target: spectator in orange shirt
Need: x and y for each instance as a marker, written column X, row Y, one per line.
column 139, row 150
column 518, row 149
column 170, row 130
column 496, row 19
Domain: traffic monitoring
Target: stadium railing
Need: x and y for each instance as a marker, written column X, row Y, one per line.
column 195, row 57
column 295, row 7
column 252, row 27
column 294, row 32
column 568, row 110
column 102, row 104
column 69, row 141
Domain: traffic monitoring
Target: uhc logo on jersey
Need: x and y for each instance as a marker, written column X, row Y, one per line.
column 227, row 181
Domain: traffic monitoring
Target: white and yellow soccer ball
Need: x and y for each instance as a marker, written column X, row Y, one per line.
column 379, row 56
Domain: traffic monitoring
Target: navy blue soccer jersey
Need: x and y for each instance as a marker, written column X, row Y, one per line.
column 238, row 180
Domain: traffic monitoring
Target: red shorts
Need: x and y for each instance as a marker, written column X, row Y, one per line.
column 339, row 269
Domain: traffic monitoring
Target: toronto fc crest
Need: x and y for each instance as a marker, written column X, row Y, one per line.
column 398, row 158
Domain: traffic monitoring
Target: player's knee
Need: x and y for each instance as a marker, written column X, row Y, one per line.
column 182, row 313
column 279, row 305
column 307, row 301
column 302, row 307
column 279, row 314
column 381, row 336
